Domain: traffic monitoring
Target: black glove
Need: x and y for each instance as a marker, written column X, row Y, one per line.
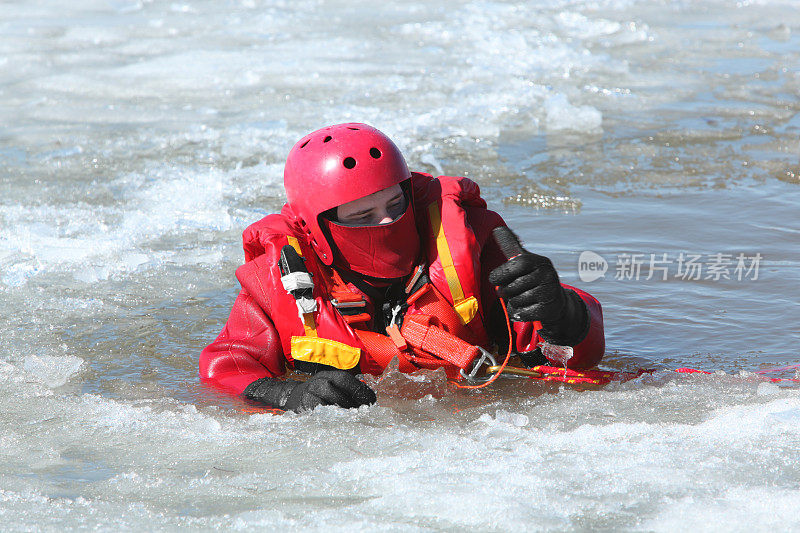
column 329, row 387
column 529, row 283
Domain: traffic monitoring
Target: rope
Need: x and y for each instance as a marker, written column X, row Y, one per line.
column 508, row 354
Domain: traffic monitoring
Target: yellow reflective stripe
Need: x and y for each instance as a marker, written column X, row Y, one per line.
column 467, row 309
column 444, row 254
column 325, row 352
column 294, row 244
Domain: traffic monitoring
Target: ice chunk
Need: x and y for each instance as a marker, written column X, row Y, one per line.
column 17, row 275
column 556, row 353
column 53, row 371
column 513, row 419
column 767, row 389
column 561, row 115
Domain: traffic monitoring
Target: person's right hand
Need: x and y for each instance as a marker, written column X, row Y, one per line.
column 528, row 282
column 329, row 387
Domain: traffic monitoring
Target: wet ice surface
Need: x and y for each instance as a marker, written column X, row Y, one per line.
column 138, row 139
column 652, row 454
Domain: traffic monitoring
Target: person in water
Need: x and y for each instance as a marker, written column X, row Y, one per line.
column 368, row 262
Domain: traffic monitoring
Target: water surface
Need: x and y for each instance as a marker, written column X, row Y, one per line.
column 138, row 139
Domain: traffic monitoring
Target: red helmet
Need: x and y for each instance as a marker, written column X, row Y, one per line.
column 336, row 165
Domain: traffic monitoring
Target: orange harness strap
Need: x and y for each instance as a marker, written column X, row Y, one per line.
column 428, row 347
column 424, row 341
column 383, row 350
column 423, row 336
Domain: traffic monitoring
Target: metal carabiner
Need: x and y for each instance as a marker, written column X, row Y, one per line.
column 485, row 358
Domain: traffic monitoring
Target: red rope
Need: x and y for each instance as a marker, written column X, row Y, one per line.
column 508, row 354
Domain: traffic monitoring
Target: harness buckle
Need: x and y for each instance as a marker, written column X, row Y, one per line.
column 485, row 358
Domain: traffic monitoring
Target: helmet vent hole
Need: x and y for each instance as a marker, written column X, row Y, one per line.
column 375, row 153
column 349, row 162
column 327, row 138
column 304, row 144
column 352, row 128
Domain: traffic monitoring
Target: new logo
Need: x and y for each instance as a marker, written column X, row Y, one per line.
column 591, row 266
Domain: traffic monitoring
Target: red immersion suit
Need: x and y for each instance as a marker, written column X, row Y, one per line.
column 265, row 334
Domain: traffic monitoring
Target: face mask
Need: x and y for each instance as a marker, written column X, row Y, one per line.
column 384, row 251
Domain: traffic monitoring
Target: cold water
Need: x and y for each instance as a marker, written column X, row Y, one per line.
column 139, row 138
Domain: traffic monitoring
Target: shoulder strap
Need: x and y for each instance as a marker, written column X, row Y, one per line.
column 466, row 305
